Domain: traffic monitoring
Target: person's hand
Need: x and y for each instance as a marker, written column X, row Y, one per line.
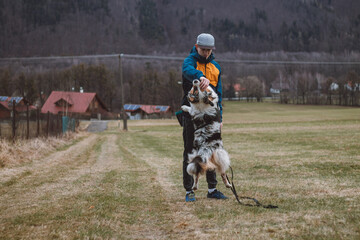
column 204, row 83
column 221, row 125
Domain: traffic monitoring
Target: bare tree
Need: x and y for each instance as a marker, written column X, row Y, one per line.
column 352, row 79
column 327, row 89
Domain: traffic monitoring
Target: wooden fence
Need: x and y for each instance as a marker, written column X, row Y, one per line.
column 33, row 123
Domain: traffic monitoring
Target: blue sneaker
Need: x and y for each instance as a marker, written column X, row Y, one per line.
column 217, row 195
column 190, row 197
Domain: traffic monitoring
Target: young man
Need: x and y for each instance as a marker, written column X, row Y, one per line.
column 200, row 65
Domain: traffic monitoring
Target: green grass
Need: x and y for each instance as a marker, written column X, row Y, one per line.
column 305, row 159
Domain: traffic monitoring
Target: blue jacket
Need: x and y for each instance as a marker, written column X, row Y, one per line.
column 196, row 66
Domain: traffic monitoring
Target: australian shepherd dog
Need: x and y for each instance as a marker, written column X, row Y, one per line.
column 208, row 152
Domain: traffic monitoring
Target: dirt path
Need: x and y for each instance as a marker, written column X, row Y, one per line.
column 97, row 126
column 44, row 185
column 184, row 224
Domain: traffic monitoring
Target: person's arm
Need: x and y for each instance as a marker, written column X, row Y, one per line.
column 189, row 70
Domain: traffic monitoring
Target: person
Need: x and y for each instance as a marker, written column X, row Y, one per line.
column 199, row 65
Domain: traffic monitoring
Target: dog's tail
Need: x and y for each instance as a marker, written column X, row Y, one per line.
column 196, row 166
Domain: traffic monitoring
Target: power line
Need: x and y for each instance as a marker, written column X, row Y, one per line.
column 137, row 56
column 152, row 57
column 276, row 62
column 59, row 57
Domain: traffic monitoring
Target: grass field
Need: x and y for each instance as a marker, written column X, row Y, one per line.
column 128, row 185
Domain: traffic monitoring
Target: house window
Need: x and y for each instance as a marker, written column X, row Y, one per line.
column 62, row 103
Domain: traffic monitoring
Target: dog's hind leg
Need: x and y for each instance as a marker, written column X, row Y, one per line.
column 223, row 161
column 194, row 169
column 226, row 182
column 196, row 182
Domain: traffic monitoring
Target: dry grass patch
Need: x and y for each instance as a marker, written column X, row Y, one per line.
column 24, row 151
column 128, row 185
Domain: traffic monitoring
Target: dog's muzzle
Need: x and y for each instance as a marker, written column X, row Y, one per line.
column 196, row 83
column 193, row 95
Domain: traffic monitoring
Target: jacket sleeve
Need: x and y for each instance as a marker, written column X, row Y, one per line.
column 219, row 93
column 189, row 70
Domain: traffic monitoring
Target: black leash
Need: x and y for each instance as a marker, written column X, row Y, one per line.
column 257, row 203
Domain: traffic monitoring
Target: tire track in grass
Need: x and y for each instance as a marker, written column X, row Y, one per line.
column 144, row 201
column 98, row 191
column 29, row 204
column 185, row 224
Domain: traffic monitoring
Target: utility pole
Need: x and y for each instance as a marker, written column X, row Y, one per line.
column 122, row 93
column 13, row 120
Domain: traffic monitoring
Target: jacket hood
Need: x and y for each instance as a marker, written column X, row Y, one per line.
column 201, row 59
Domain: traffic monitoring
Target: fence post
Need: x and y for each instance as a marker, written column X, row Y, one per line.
column 47, row 124
column 122, row 94
column 27, row 121
column 13, row 121
column 59, row 125
column 37, row 122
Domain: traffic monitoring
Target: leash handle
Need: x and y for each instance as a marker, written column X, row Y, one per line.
column 257, row 203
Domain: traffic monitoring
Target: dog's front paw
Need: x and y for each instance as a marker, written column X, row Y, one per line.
column 185, row 108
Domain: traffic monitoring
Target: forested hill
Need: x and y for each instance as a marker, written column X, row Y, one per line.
column 81, row 27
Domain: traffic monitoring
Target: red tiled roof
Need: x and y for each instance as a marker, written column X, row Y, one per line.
column 80, row 102
column 5, row 104
column 149, row 109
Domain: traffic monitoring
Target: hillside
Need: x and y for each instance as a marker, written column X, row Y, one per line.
column 81, row 27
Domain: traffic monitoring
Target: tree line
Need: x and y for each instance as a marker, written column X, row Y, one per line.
column 84, row 27
column 147, row 85
column 308, row 88
column 35, row 87
column 156, row 81
column 296, row 85
column 159, row 83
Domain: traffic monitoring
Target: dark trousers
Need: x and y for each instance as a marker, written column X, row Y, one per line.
column 188, row 136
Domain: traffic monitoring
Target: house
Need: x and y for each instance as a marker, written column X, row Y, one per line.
column 278, row 87
column 83, row 104
column 6, row 106
column 137, row 111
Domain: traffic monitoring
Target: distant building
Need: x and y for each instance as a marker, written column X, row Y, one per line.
column 86, row 105
column 137, row 111
column 277, row 87
column 6, row 106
